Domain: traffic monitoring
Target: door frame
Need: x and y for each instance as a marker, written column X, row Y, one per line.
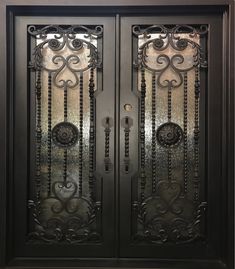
column 225, row 8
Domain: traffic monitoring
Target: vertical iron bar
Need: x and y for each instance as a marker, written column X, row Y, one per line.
column 92, row 134
column 65, row 166
column 196, row 135
column 38, row 140
column 169, row 103
column 65, row 103
column 65, row 119
column 153, row 132
column 169, row 161
column 169, row 156
column 49, row 134
column 81, row 133
column 185, row 132
column 142, row 134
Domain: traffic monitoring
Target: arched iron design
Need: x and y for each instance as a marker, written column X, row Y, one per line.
column 65, row 214
column 171, row 210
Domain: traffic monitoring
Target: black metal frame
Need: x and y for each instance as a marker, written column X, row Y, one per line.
column 223, row 8
column 126, row 94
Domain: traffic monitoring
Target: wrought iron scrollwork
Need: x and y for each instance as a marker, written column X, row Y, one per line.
column 61, row 37
column 65, row 213
column 171, row 211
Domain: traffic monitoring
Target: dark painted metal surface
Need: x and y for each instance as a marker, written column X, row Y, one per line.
column 219, row 118
column 105, row 246
column 212, row 156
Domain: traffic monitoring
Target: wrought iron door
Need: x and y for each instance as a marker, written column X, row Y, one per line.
column 101, row 176
column 165, row 129
column 70, row 114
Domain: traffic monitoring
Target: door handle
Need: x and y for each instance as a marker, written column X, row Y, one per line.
column 107, row 123
column 126, row 122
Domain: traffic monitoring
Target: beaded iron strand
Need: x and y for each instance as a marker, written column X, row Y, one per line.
column 142, row 134
column 81, row 133
column 196, row 135
column 185, row 133
column 153, row 132
column 92, row 134
column 169, row 154
column 38, row 139
column 49, row 134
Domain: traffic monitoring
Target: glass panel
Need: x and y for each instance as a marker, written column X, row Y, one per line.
column 169, row 206
column 64, row 207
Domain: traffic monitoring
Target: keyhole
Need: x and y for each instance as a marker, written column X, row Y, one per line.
column 126, row 120
column 128, row 107
column 126, row 168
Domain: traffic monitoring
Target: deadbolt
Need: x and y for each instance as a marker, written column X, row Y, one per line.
column 128, row 107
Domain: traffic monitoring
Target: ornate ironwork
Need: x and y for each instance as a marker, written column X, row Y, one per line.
column 65, row 214
column 65, row 134
column 169, row 135
column 170, row 212
column 158, row 230
column 72, row 230
column 170, row 37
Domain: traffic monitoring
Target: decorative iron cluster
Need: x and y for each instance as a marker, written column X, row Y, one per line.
column 65, row 194
column 65, row 134
column 162, row 213
column 169, row 135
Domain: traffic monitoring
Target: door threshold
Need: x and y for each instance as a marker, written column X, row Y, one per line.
column 127, row 264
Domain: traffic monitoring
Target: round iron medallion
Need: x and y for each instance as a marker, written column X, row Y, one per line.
column 158, row 43
column 77, row 44
column 53, row 43
column 65, row 134
column 182, row 44
column 169, row 135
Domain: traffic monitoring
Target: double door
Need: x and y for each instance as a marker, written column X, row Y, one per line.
column 117, row 138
